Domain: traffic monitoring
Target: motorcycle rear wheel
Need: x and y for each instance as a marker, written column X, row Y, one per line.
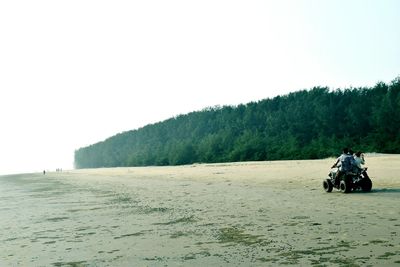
column 366, row 185
column 344, row 186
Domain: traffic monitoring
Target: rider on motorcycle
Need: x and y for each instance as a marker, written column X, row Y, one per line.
column 345, row 163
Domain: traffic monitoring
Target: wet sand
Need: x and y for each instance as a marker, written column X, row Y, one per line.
column 239, row 214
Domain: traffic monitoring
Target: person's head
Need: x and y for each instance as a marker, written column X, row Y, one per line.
column 345, row 150
column 358, row 153
column 351, row 152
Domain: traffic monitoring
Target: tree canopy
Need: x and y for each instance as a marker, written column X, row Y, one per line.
column 307, row 124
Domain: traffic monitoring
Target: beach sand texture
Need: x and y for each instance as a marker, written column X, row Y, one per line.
column 235, row 214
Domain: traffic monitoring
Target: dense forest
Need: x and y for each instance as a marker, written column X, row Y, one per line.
column 307, row 124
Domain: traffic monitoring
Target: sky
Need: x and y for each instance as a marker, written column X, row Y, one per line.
column 73, row 73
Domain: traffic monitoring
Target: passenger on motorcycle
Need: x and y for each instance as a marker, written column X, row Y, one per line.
column 359, row 160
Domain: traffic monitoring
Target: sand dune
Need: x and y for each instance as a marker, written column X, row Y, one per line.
column 236, row 214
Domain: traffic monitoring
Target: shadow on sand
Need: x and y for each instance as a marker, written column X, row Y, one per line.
column 386, row 190
column 380, row 191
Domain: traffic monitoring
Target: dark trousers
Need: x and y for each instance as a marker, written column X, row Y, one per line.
column 338, row 176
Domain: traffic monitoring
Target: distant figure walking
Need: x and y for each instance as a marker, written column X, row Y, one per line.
column 44, row 172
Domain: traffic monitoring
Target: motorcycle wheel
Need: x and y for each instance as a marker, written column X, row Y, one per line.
column 344, row 186
column 366, row 185
column 328, row 186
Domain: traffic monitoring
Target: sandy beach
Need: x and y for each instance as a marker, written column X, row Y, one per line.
column 235, row 214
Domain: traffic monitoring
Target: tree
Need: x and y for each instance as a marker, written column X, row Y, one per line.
column 307, row 124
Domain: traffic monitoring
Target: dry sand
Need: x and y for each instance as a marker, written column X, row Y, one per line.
column 239, row 214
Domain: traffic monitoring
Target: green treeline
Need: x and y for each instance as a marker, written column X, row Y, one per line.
column 307, row 124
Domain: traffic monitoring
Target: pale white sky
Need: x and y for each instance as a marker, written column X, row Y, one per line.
column 73, row 73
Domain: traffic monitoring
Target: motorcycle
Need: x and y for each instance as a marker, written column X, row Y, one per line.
column 348, row 182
